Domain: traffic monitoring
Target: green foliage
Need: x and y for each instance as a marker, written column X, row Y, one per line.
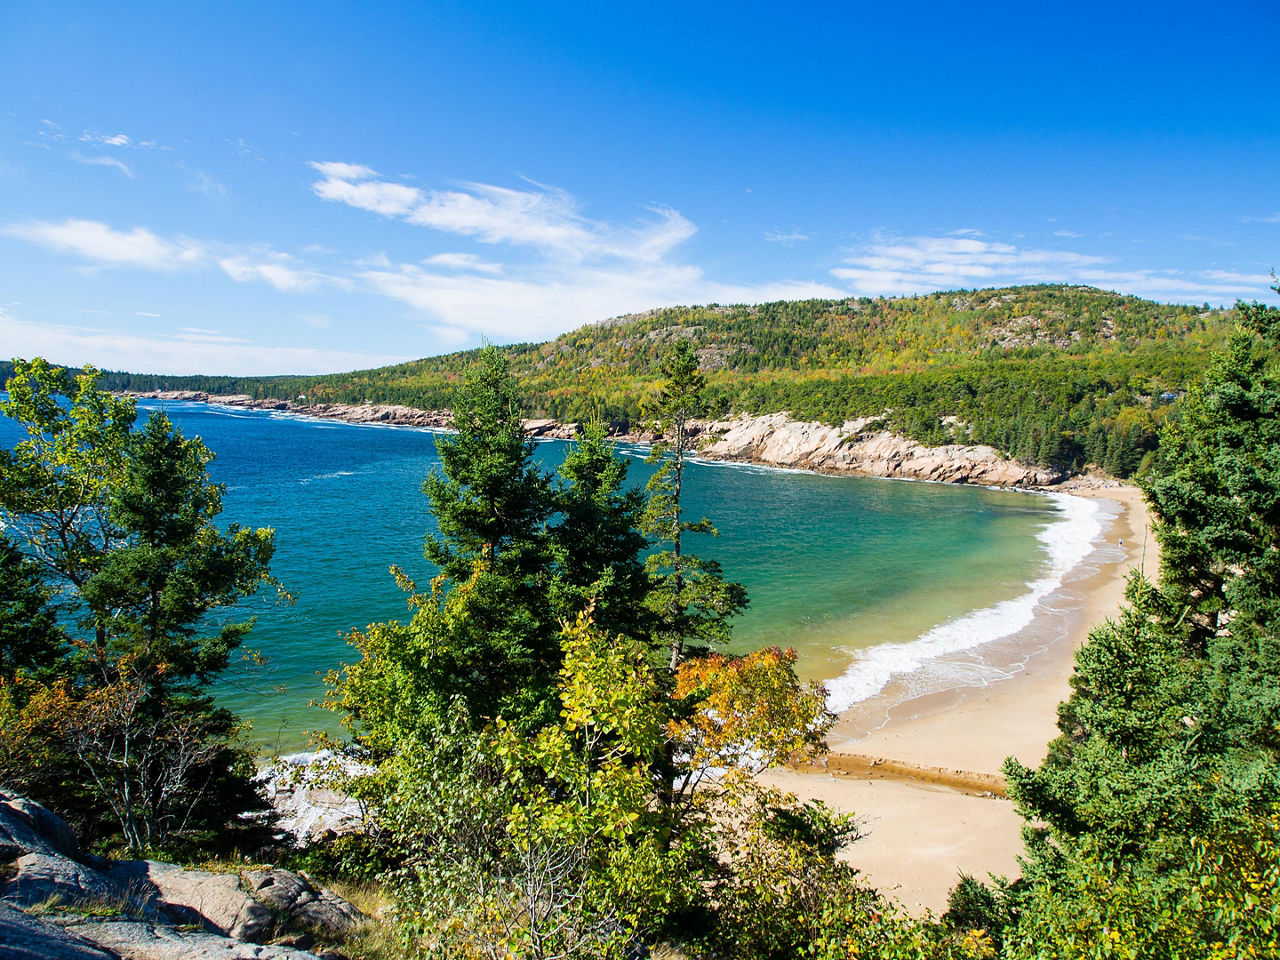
column 120, row 527
column 1044, row 373
column 597, row 542
column 689, row 597
column 29, row 637
column 1154, row 821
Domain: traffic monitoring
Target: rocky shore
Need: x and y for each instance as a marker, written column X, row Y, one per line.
column 60, row 903
column 856, row 447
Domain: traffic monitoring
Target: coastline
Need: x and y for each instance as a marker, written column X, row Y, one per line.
column 859, row 447
column 923, row 773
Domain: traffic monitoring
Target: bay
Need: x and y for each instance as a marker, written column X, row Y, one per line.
column 842, row 568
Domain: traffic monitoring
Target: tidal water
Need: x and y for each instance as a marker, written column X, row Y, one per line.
column 868, row 579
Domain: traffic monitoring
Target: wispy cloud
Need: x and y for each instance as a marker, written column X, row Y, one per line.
column 898, row 266
column 105, row 245
column 281, row 270
column 207, row 184
column 1274, row 218
column 918, row 264
column 1069, row 234
column 463, row 261
column 544, row 218
column 553, row 268
column 187, row 350
column 786, row 239
column 111, row 140
column 112, row 162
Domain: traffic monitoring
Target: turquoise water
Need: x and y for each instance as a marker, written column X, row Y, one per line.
column 838, row 567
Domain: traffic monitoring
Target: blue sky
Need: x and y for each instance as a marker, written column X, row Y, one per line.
column 268, row 188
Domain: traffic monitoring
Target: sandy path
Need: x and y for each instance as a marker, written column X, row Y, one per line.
column 927, row 782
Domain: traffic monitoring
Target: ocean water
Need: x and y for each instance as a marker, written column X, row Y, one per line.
column 867, row 579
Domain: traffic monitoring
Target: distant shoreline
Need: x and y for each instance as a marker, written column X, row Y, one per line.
column 855, row 448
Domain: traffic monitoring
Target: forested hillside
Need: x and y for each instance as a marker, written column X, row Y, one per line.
column 1052, row 374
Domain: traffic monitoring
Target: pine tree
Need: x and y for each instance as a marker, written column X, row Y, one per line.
column 597, row 542
column 492, row 505
column 122, row 525
column 689, row 596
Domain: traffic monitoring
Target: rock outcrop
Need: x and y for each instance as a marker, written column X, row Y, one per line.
column 859, row 446
column 56, row 903
column 855, row 447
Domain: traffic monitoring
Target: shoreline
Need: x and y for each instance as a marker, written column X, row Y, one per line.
column 923, row 772
column 859, row 447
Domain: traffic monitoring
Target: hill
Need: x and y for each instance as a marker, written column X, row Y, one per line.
column 1051, row 374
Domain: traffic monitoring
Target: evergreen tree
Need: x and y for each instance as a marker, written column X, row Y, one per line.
column 29, row 637
column 489, row 500
column 1157, row 802
column 689, row 596
column 597, row 542
column 122, row 526
column 492, row 504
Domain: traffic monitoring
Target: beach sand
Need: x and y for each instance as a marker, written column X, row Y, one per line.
column 926, row 781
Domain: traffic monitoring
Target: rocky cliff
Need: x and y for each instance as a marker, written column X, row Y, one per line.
column 855, row 447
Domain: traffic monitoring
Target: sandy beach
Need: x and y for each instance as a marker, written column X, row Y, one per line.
column 924, row 774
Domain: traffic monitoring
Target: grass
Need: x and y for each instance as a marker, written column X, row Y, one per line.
column 92, row 907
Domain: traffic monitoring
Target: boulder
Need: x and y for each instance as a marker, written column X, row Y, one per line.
column 24, row 937
column 41, row 878
column 215, row 901
column 858, row 446
column 293, row 895
column 46, row 823
column 27, row 827
column 140, row 940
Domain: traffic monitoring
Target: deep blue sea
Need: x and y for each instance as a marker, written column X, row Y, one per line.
column 866, row 578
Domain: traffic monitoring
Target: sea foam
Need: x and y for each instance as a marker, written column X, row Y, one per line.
column 1068, row 541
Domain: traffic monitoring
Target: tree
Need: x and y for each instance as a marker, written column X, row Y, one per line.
column 123, row 525
column 1217, row 488
column 29, row 637
column 597, row 542
column 689, row 596
column 489, row 500
column 1155, row 806
column 55, row 483
column 491, row 505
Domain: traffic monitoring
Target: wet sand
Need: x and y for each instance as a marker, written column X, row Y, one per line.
column 924, row 773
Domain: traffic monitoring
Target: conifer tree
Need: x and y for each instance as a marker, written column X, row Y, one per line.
column 122, row 525
column 689, row 596
column 597, row 541
column 492, row 504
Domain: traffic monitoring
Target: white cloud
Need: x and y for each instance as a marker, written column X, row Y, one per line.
column 142, row 313
column 920, row 264
column 278, row 269
column 546, row 219
column 542, row 306
column 1070, row 234
column 139, row 247
column 185, row 351
column 581, row 270
column 1274, row 218
column 104, row 162
column 96, row 241
column 786, row 239
column 463, row 261
column 113, row 140
column 899, row 266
